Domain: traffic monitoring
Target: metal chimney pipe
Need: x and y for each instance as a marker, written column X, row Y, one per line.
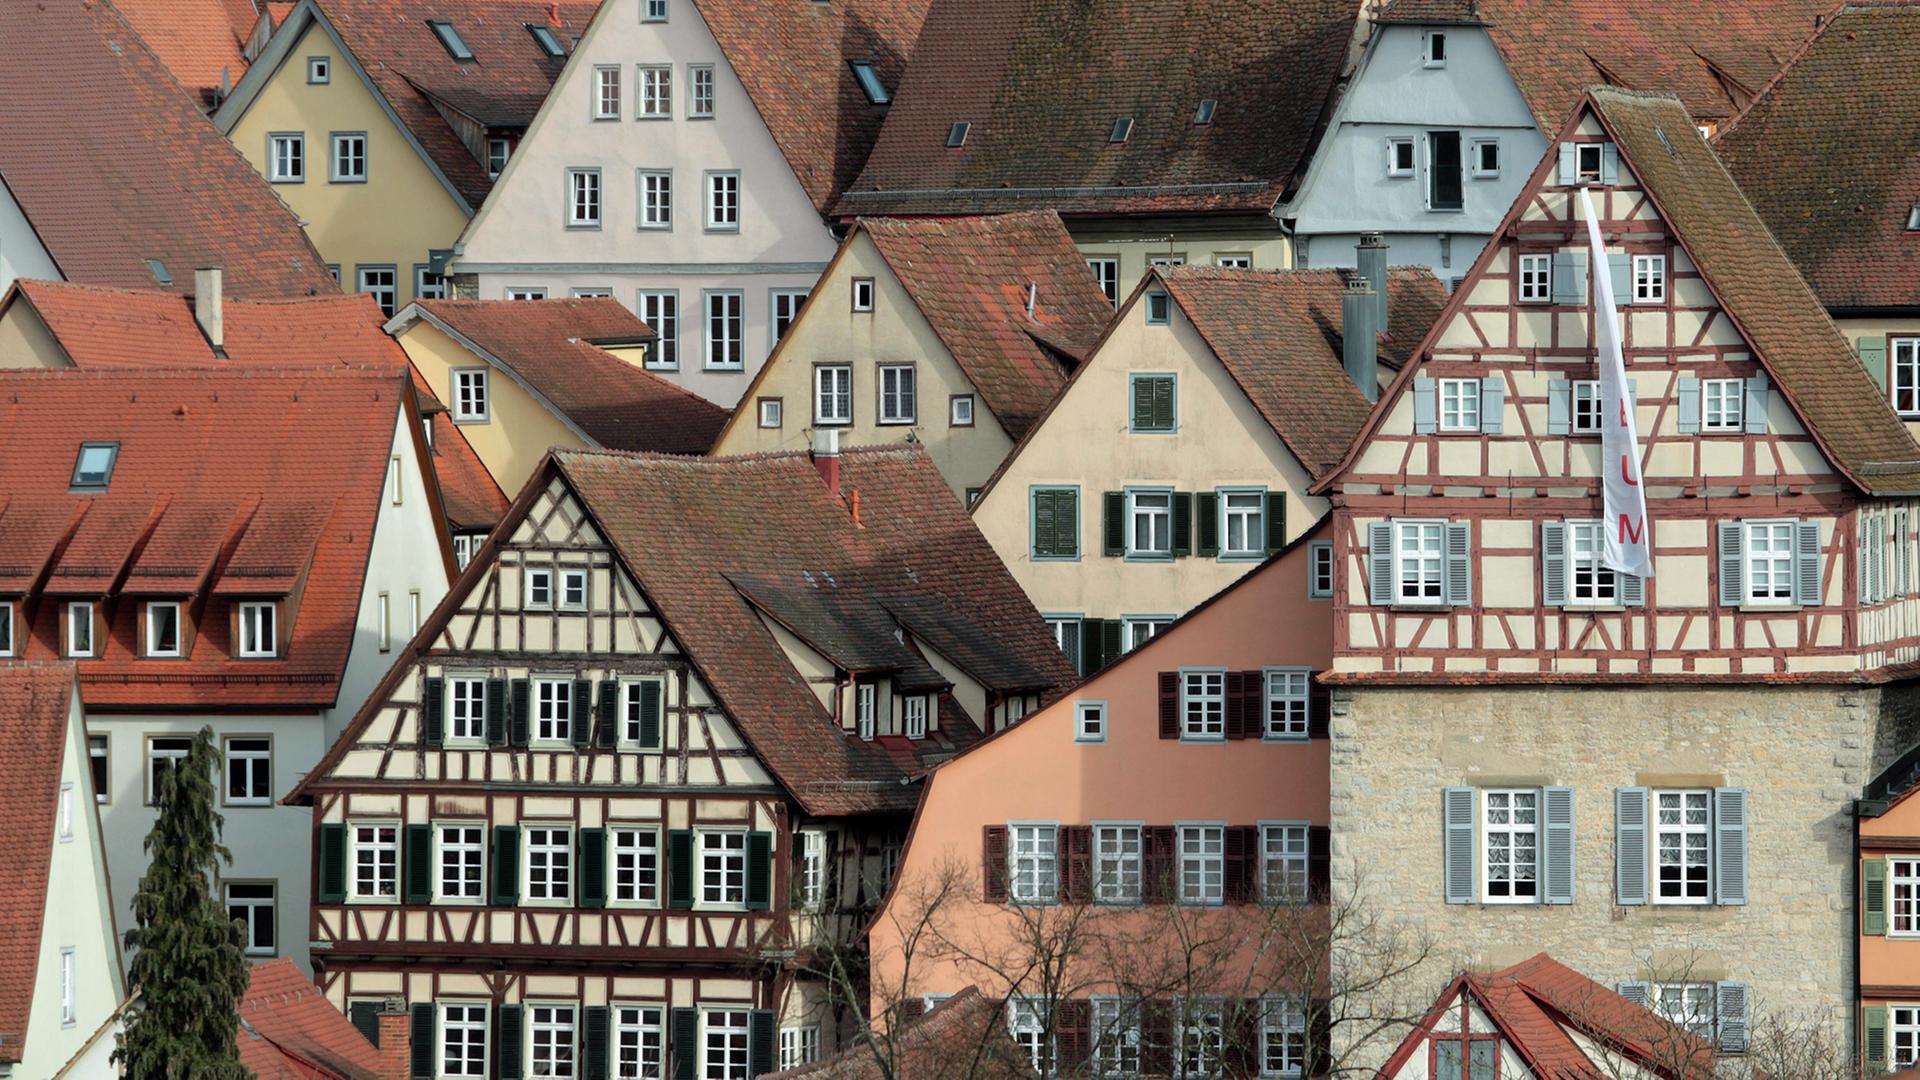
column 1360, row 336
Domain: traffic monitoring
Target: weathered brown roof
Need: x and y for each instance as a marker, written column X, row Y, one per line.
column 1278, row 332
column 114, row 165
column 1760, row 290
column 200, row 41
column 35, row 709
column 1829, row 154
column 1466, row 12
column 1042, row 82
column 964, row 1036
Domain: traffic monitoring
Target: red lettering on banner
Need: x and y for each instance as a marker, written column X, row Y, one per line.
column 1631, row 529
column 1626, row 471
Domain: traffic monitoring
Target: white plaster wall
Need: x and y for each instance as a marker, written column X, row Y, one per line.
column 21, row 253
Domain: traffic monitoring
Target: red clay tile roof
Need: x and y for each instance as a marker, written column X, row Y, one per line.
column 964, row 1036
column 1279, row 334
column 35, row 708
column 1533, row 999
column 792, row 56
column 548, row 346
column 969, row 277
column 1829, row 154
column 200, row 41
column 113, row 164
column 290, row 1031
column 1430, row 11
column 1761, row 291
column 1041, row 84
column 302, row 455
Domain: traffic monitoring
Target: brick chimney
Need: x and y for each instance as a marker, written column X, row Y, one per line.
column 1360, row 336
column 396, row 1039
column 207, row 289
column 826, row 457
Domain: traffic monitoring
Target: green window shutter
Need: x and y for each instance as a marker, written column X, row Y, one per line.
column 680, row 869
column 420, row 1041
column 509, row 1032
column 580, row 720
column 1206, row 519
column 333, row 863
column 1182, row 523
column 686, row 1044
column 1876, row 1039
column 1044, row 526
column 432, row 714
column 593, row 868
column 365, row 1017
column 1066, row 523
column 1142, row 403
column 1873, row 897
column 609, row 714
column 1276, row 521
column 1110, row 632
column 418, row 850
column 759, row 871
column 506, row 865
column 519, row 723
column 1114, row 522
column 598, row 1041
column 1873, row 357
column 497, row 711
column 760, row 1042
column 1163, row 418
column 650, row 714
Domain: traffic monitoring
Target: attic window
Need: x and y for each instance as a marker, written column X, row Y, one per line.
column 869, row 81
column 1122, row 128
column 1204, row 114
column 94, row 466
column 957, row 134
column 456, row 45
column 159, row 271
column 545, row 38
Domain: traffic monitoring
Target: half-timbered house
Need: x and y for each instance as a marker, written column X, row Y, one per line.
column 672, row 711
column 1655, row 774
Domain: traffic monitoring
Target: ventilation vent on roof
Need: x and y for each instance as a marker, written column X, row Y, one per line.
column 548, row 42
column 957, row 134
column 94, row 466
column 1122, row 128
column 450, row 38
column 159, row 271
column 1204, row 114
column 869, row 81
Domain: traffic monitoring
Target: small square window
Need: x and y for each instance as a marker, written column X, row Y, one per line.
column 1649, row 279
column 1587, row 159
column 1722, row 405
column 1486, row 158
column 1400, row 157
column 770, row 409
column 319, row 70
column 94, row 465
column 957, row 134
column 1436, row 50
column 1536, row 278
column 347, row 157
column 573, row 590
column 1459, row 405
column 1090, row 721
column 863, row 294
column 540, row 589
column 1159, row 308
column 1204, row 114
column 960, row 410
column 653, row 11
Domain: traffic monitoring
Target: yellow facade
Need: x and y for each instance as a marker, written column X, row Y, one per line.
column 25, row 341
column 1885, row 328
column 1135, row 247
column 400, row 214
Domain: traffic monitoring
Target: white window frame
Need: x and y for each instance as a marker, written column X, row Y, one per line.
column 1200, row 851
column 82, row 639
column 1689, row 1005
column 631, row 703
column 1458, row 405
column 287, row 157
column 1649, row 279
column 1683, row 831
column 466, row 715
column 558, row 1033
column 1903, row 897
column 1584, row 413
column 154, row 609
column 655, row 188
column 366, row 280
column 1723, row 406
column 553, row 719
column 799, row 1045
column 726, row 352
column 1119, row 862
column 257, row 911
column 1510, row 827
column 1033, row 863
column 772, row 412
column 6, row 628
column 257, row 753
column 1137, row 630
column 913, row 710
column 69, row 990
column 471, row 400
column 701, row 98
column 1426, row 554
column 960, row 410
column 553, row 885
column 1233, row 262
column 1474, row 163
column 639, row 1030
column 319, row 70
column 1283, row 1037
column 653, row 11
column 573, row 581
column 861, row 289
column 1903, row 1026
column 537, row 592
column 1199, row 1043
column 100, row 748
column 1433, row 49
column 1203, row 704
column 1157, row 521
column 1768, row 560
column 1903, row 375
column 1581, row 153
column 1286, row 861
column 365, row 836
column 1090, row 721
column 1106, row 274
column 722, row 854
column 1116, row 1035
column 723, row 193
column 811, row 886
column 724, row 1044
column 660, row 310
column 1286, row 714
column 1591, row 582
column 63, row 831
column 1536, row 277
column 653, row 92
column 259, row 630
column 866, row 709
column 1027, row 1027
column 783, row 310
column 526, row 292
column 471, row 1023
column 898, row 405
column 638, row 847
column 161, row 756
column 465, row 851
column 833, row 404
column 1251, row 523
column 583, row 198
column 1395, row 170
column 341, row 158
column 607, row 92
column 499, row 152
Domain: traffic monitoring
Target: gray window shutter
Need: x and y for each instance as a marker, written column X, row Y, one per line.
column 1873, row 897
column 1806, row 564
column 1730, row 1014
column 1620, row 273
column 1630, row 845
column 1459, row 564
column 1609, row 164
column 1637, row 992
column 1493, row 404
column 1873, row 357
column 1733, row 541
column 1553, row 563
column 1380, row 562
column 1756, row 405
column 1569, row 166
column 1559, row 407
column 1459, row 851
column 1558, row 870
column 1633, row 590
column 1729, row 845
column 1689, row 406
column 1566, row 289
column 1426, row 411
column 1874, row 1023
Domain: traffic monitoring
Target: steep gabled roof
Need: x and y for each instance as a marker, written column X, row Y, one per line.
column 35, row 708
column 114, row 165
column 1829, row 153
column 550, row 348
column 290, row 1031
column 963, row 1036
column 203, row 42
column 1042, row 83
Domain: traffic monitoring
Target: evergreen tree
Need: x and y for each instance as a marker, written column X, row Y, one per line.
column 189, row 964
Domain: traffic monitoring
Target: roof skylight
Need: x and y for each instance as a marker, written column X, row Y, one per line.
column 456, row 45
column 869, row 81
column 94, row 465
column 1122, row 128
column 548, row 41
column 1204, row 114
column 957, row 134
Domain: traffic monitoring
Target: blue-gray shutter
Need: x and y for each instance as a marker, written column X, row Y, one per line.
column 1569, row 165
column 1553, row 563
column 1689, row 406
column 1756, row 406
column 1557, row 807
column 1493, row 404
column 1729, row 845
column 1457, row 829
column 1459, row 574
column 1620, row 273
column 1630, row 845
column 1559, row 407
column 1633, row 589
column 1733, row 542
column 1380, row 563
column 1806, row 563
column 1567, row 284
column 1730, row 1014
column 1426, row 411
column 1873, row 357
column 1609, row 164
column 1639, row 993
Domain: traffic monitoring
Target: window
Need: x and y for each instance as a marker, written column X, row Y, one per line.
column 1444, row 190
column 1233, row 262
column 1586, row 406
column 862, row 291
column 1150, row 524
column 539, row 588
column 656, row 93
column 251, row 903
column 1203, row 704
column 1689, row 1005
column 469, row 395
column 1486, row 159
column 1283, row 863
column 163, row 628
column 428, row 285
column 1090, row 721
column 1067, row 635
column 1287, row 697
column 1903, row 881
column 1202, row 1035
column 573, row 590
column 393, row 485
column 1117, row 866
column 1159, row 308
column 724, row 319
column 656, row 201
column 97, row 762
column 724, row 1051
column 6, row 628
column 463, row 1040
column 319, row 70
column 1459, row 404
column 466, row 710
column 700, row 90
column 957, row 134
column 1139, row 629
column 1436, row 50
column 1510, row 837
column 723, row 868
column 1681, row 826
column 249, row 771
column 550, row 1042
column 1243, row 531
column 1536, row 278
column 1154, row 408
column 1027, row 1023
column 960, row 410
column 606, row 93
column 833, row 394
column 1202, row 864
column 1203, row 115
column 1417, row 552
column 347, row 159
column 1769, row 561
column 464, row 545
column 1589, row 579
column 583, row 198
column 1649, row 279
column 1106, row 274
column 1587, row 161
column 69, row 990
column 1283, row 1037
column 450, row 39
column 462, row 852
column 1400, row 157
column 65, row 813
column 1116, row 1036
column 897, row 405
column 1320, row 570
column 379, row 283
column 639, row 1042
column 863, row 709
column 1904, row 375
column 869, row 81
column 526, row 292
column 376, row 862
column 723, row 201
column 1034, row 874
column 915, row 710
column 552, row 710
column 163, row 751
column 636, row 866
column 661, row 311
column 810, row 872
column 1122, row 128
column 654, row 11
column 258, row 636
column 498, row 150
column 799, row 1046
column 770, row 412
column 287, row 158
column 786, row 308
column 80, row 628
column 549, row 863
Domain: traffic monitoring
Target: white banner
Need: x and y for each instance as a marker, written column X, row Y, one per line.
column 1624, row 505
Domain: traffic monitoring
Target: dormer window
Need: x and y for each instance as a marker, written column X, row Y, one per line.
column 957, row 134
column 94, row 466
column 1122, row 128
column 548, row 43
column 451, row 40
column 259, row 636
column 80, row 629
column 869, row 81
column 864, row 697
column 1204, row 114
column 6, row 628
column 163, row 629
column 915, row 711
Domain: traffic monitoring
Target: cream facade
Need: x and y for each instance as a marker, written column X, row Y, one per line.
column 1121, row 250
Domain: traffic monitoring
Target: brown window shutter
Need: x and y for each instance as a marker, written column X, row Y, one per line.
column 993, row 862
column 1236, row 878
column 1253, row 687
column 1319, row 863
column 1077, row 880
column 1073, row 1033
column 1156, row 1032
column 1169, row 704
column 1236, row 707
column 1319, row 708
column 1242, row 1038
column 910, row 1010
column 1160, row 885
column 1319, row 1037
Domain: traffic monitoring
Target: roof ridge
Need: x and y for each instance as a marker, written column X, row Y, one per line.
column 722, row 459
